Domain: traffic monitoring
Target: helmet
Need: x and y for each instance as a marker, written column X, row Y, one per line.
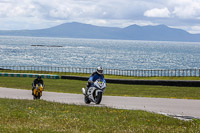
column 39, row 77
column 99, row 70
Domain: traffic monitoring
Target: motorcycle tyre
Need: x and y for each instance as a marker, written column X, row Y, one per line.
column 38, row 97
column 86, row 100
column 34, row 97
column 98, row 98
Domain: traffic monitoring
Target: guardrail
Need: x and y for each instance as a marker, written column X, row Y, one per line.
column 182, row 83
column 135, row 73
column 30, row 75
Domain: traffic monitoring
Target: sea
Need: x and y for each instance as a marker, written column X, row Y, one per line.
column 90, row 53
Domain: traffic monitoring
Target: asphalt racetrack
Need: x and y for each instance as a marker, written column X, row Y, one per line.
column 179, row 108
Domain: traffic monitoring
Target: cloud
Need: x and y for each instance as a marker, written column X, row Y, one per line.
column 185, row 13
column 12, row 9
column 74, row 9
column 30, row 14
column 185, row 9
column 159, row 13
column 194, row 29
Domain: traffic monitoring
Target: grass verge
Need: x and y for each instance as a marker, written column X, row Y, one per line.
column 40, row 116
column 74, row 86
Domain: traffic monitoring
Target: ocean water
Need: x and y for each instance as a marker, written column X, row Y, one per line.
column 87, row 53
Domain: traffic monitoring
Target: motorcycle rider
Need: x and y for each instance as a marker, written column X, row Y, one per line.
column 37, row 81
column 94, row 76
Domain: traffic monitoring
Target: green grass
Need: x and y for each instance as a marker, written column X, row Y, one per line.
column 74, row 86
column 38, row 116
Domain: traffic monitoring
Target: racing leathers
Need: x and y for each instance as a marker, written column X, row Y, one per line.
column 93, row 77
column 36, row 81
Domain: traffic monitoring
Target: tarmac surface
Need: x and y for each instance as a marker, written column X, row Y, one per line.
column 179, row 108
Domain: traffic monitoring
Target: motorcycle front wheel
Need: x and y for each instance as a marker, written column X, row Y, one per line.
column 38, row 97
column 34, row 97
column 98, row 98
column 86, row 99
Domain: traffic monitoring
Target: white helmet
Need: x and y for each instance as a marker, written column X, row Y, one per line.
column 99, row 70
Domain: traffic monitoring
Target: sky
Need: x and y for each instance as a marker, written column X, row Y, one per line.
column 39, row 14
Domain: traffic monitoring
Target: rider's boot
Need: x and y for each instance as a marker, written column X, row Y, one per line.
column 86, row 91
column 87, row 87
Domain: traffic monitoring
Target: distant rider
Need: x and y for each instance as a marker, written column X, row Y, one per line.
column 94, row 76
column 37, row 81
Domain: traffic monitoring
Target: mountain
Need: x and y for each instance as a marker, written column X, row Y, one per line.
column 132, row 32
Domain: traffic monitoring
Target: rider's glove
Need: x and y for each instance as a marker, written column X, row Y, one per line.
column 90, row 82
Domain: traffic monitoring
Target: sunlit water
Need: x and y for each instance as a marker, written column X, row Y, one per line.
column 113, row 54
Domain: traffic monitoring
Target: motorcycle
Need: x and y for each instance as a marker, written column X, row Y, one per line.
column 37, row 92
column 94, row 92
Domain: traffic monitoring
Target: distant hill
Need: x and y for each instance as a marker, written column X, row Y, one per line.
column 132, row 32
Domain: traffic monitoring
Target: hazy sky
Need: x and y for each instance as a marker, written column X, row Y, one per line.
column 37, row 14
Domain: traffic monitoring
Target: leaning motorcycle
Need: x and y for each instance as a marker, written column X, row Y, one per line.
column 95, row 92
column 37, row 92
